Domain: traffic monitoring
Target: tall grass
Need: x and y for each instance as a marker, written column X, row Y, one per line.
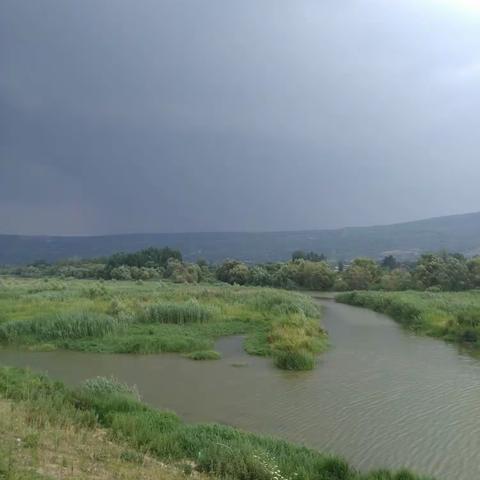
column 295, row 341
column 294, row 359
column 109, row 385
column 180, row 313
column 60, row 326
column 282, row 303
column 221, row 451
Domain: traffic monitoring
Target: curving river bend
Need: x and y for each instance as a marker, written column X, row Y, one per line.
column 380, row 397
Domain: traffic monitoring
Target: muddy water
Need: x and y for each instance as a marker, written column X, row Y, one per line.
column 379, row 396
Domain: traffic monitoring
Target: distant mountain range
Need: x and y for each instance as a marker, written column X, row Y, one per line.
column 455, row 233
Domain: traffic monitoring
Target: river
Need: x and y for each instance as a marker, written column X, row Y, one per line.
column 380, row 397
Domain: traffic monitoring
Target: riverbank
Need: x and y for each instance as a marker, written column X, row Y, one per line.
column 45, row 411
column 34, row 449
column 155, row 317
column 452, row 316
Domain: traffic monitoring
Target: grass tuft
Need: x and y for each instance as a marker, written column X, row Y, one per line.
column 294, row 360
column 204, row 355
column 109, row 385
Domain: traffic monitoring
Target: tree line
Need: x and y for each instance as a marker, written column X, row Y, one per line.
column 307, row 270
column 433, row 271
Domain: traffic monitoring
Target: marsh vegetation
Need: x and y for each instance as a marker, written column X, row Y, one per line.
column 453, row 316
column 153, row 317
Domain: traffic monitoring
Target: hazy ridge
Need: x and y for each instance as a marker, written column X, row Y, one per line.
column 456, row 233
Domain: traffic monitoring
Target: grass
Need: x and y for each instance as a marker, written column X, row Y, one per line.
column 295, row 342
column 154, row 317
column 204, row 355
column 61, row 447
column 178, row 313
column 60, row 326
column 295, row 360
column 453, row 316
column 86, row 430
column 109, row 386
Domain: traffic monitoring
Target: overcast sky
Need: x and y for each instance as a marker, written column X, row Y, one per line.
column 208, row 115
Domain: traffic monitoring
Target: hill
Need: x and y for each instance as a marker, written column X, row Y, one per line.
column 455, row 233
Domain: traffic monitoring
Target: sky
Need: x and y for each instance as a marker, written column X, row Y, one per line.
column 121, row 116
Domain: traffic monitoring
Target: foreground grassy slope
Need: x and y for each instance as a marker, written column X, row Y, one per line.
column 32, row 448
column 453, row 316
column 46, row 415
column 153, row 317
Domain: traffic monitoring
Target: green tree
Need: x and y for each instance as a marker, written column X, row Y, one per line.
column 389, row 262
column 181, row 272
column 396, row 280
column 149, row 257
column 444, row 271
column 474, row 272
column 315, row 275
column 362, row 274
column 310, row 256
column 260, row 276
column 233, row 271
column 121, row 273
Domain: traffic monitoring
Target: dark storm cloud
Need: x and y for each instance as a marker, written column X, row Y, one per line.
column 121, row 116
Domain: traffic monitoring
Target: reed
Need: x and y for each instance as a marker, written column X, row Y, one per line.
column 179, row 313
column 60, row 326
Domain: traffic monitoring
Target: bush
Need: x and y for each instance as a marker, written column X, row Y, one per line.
column 233, row 271
column 96, row 291
column 362, row 274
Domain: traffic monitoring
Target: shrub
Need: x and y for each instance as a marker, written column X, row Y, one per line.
column 96, row 291
column 233, row 271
